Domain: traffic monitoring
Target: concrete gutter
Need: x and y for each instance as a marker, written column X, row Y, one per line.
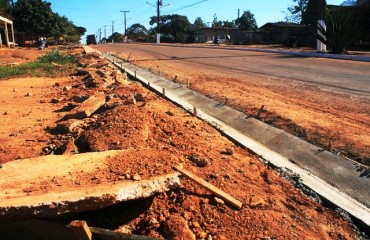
column 342, row 182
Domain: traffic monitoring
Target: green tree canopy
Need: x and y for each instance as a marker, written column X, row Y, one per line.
column 35, row 17
column 175, row 25
column 137, row 32
column 5, row 6
column 297, row 11
column 115, row 37
column 246, row 21
column 199, row 23
column 216, row 23
column 363, row 3
column 311, row 15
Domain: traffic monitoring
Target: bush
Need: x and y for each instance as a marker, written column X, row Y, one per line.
column 55, row 56
column 342, row 29
column 52, row 64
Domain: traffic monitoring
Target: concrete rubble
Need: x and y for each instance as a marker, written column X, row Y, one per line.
column 25, row 200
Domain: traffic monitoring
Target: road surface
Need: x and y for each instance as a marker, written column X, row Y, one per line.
column 337, row 75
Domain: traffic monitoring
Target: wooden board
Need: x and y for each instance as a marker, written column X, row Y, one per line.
column 226, row 197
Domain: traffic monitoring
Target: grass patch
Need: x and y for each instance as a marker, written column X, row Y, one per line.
column 52, row 64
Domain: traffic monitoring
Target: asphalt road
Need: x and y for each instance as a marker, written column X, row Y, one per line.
column 336, row 75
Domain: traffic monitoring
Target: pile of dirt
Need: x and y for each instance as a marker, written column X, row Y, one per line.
column 159, row 135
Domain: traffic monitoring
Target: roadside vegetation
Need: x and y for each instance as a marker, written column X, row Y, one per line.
column 52, row 64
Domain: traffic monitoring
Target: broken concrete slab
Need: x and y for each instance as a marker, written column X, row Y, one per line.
column 87, row 108
column 69, row 125
column 28, row 187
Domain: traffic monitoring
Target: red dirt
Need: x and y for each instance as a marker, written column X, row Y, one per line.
column 160, row 135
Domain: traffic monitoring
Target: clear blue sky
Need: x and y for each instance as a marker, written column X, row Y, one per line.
column 95, row 14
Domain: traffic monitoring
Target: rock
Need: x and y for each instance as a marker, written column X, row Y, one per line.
column 127, row 176
column 67, row 148
column 56, row 100
column 81, row 71
column 69, row 126
column 256, row 201
column 67, row 88
column 139, row 97
column 218, row 201
column 200, row 234
column 110, row 97
column 229, row 151
column 15, row 90
column 176, row 228
column 87, row 108
column 5, row 113
column 199, row 161
column 79, row 98
column 28, row 94
column 136, row 177
column 195, row 224
column 101, row 74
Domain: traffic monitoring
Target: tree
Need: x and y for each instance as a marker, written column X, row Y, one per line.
column 5, row 6
column 137, row 32
column 175, row 26
column 363, row 3
column 33, row 17
column 246, row 21
column 216, row 23
column 297, row 11
column 36, row 18
column 227, row 24
column 115, row 37
column 199, row 23
column 311, row 15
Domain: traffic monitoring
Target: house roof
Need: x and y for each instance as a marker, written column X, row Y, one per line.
column 5, row 15
column 282, row 25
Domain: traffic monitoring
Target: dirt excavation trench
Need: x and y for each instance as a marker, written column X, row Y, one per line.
column 98, row 109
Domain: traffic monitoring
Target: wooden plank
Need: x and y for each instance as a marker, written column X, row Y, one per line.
column 226, row 197
column 81, row 230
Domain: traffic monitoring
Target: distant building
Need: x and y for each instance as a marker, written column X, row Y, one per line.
column 6, row 30
column 207, row 34
column 283, row 32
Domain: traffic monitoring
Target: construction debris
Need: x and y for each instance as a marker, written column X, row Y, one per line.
column 87, row 108
column 48, row 198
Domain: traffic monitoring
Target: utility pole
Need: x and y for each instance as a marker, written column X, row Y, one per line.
column 321, row 47
column 112, row 27
column 99, row 35
column 124, row 14
column 158, row 6
column 105, row 32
